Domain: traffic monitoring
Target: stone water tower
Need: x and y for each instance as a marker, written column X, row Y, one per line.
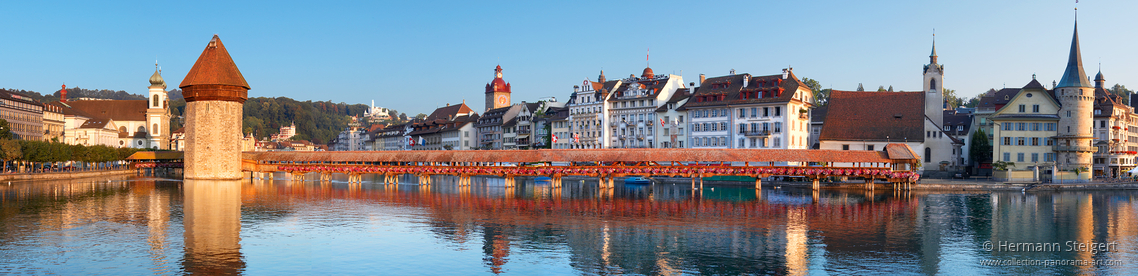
column 215, row 92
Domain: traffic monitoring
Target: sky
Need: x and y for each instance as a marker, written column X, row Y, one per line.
column 414, row 56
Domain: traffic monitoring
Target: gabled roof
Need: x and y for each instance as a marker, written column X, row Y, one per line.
column 96, row 123
column 1031, row 87
column 758, row 89
column 680, row 95
column 70, row 111
column 118, row 110
column 875, row 116
column 998, row 99
column 956, row 120
column 818, row 114
column 214, row 66
column 652, row 88
column 449, row 112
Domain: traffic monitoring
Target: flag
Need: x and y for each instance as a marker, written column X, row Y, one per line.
column 421, row 140
column 410, row 141
column 554, row 138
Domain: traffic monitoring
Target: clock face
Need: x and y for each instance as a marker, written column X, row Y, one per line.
column 502, row 100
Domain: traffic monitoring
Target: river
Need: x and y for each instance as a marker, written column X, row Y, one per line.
column 139, row 225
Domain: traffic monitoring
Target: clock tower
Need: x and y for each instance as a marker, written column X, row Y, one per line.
column 497, row 91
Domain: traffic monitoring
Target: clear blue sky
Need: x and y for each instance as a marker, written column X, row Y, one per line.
column 416, row 55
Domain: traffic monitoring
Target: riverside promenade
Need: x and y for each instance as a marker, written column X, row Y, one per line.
column 64, row 175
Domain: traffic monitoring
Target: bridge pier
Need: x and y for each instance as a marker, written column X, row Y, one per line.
column 759, row 182
column 869, row 185
column 815, row 184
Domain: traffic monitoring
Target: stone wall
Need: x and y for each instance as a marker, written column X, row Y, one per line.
column 213, row 140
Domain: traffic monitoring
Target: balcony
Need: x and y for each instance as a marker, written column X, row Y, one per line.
column 1074, row 148
column 756, row 133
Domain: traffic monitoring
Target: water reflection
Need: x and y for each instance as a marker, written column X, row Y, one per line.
column 151, row 226
column 212, row 220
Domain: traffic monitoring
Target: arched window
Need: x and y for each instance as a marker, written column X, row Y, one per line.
column 155, row 101
column 932, row 84
column 928, row 155
column 141, row 129
column 122, row 129
column 155, row 127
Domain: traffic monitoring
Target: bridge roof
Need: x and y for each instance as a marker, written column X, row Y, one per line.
column 590, row 155
column 156, row 155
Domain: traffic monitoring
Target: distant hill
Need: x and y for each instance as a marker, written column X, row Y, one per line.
column 318, row 122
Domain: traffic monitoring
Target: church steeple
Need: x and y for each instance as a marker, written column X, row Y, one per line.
column 1074, row 76
column 932, row 56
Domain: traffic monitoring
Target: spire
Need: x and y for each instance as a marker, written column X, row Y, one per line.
column 601, row 78
column 932, row 56
column 1074, row 76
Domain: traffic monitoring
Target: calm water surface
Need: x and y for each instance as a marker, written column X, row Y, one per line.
column 154, row 226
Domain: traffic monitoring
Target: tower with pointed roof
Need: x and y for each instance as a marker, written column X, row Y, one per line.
column 1076, row 95
column 214, row 90
column 934, row 87
column 497, row 91
column 158, row 111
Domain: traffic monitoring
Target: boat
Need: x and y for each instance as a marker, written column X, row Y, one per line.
column 637, row 180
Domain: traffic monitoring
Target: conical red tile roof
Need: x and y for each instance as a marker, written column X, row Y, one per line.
column 215, row 67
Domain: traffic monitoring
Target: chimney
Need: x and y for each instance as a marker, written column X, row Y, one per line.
column 702, row 78
column 63, row 94
column 785, row 73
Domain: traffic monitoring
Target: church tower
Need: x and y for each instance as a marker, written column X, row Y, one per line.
column 934, row 88
column 497, row 91
column 158, row 111
column 1076, row 95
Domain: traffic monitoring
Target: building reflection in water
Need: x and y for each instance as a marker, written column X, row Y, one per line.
column 212, row 220
column 487, row 228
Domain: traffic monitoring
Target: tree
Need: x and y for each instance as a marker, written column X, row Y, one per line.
column 9, row 151
column 890, row 88
column 881, row 88
column 420, row 116
column 860, row 88
column 821, row 96
column 6, row 131
column 1121, row 90
column 950, row 97
column 980, row 149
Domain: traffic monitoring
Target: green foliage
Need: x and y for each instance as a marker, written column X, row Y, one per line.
column 821, row 96
column 980, row 149
column 1079, row 170
column 1002, row 165
column 953, row 100
column 6, row 130
column 40, row 151
column 881, row 88
column 1121, row 90
column 318, row 122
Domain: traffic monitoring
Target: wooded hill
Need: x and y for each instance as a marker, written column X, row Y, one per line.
column 318, row 122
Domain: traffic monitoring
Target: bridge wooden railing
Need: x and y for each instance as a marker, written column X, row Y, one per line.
column 892, row 164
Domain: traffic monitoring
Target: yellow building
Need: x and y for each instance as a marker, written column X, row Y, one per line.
column 1024, row 129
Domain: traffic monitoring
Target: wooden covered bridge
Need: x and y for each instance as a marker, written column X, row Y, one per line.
column 894, row 164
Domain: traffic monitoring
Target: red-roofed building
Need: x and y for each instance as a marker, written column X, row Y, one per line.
column 858, row 120
column 746, row 111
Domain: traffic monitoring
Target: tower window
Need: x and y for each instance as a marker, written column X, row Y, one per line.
column 932, row 84
column 155, row 101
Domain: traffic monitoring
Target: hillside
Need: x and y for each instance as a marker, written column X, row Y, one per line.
column 318, row 122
